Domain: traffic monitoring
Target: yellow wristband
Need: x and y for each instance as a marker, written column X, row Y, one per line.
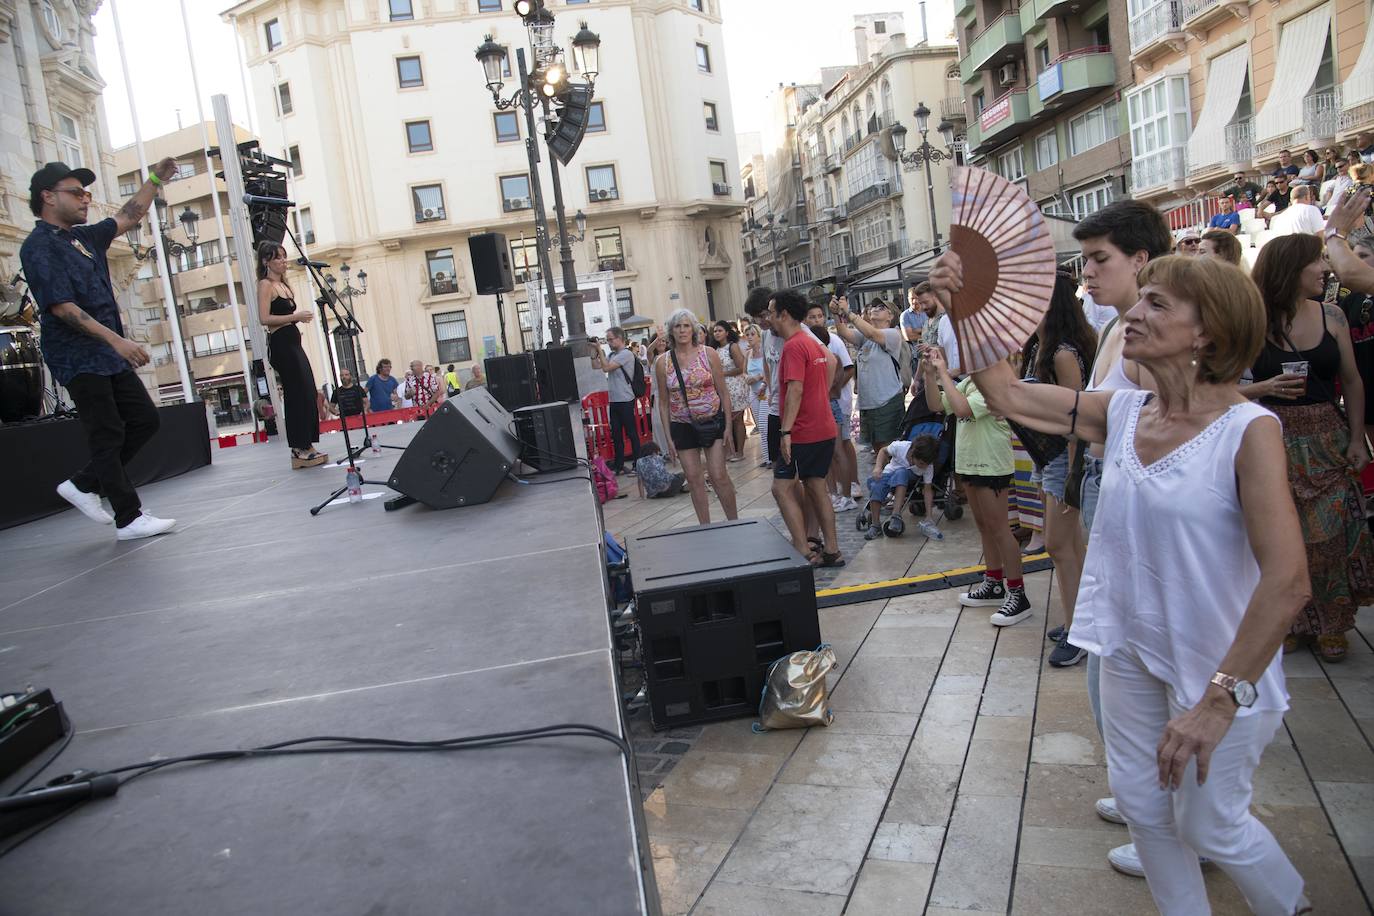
column 152, row 176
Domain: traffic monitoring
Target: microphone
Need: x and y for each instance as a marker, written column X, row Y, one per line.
column 306, row 262
column 257, row 200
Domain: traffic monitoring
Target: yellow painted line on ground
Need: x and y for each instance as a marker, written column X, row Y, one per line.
column 912, row 580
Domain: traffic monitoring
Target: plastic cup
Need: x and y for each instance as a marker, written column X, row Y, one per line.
column 1299, row 368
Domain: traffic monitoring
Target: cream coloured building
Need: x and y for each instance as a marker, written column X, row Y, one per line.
column 399, row 156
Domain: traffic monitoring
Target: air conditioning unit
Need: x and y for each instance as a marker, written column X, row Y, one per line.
column 429, row 214
column 601, row 194
column 519, row 203
column 1006, row 74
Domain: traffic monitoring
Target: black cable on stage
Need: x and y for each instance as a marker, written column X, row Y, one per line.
column 339, row 745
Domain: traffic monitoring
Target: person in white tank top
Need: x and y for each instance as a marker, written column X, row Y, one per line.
column 1192, row 691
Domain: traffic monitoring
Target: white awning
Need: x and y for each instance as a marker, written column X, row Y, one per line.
column 1359, row 85
column 1300, row 53
column 1225, row 81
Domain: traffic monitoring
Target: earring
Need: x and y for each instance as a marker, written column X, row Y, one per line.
column 1193, row 362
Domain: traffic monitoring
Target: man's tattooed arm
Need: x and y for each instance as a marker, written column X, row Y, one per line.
column 77, row 318
column 136, row 207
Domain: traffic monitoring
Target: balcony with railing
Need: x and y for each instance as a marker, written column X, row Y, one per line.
column 1321, row 119
column 875, row 192
column 1200, row 15
column 1357, row 103
column 1073, row 76
column 952, row 108
column 962, row 8
column 1163, row 170
column 1051, row 9
column 1240, row 144
column 999, row 41
column 1007, row 117
column 1155, row 30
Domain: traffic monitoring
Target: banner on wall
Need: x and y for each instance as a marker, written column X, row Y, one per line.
column 598, row 305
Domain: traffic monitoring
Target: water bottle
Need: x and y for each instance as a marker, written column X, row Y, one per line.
column 355, row 485
column 376, row 443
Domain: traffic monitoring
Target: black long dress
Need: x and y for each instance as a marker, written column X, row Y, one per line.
column 287, row 356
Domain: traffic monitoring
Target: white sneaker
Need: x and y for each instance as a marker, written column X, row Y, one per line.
column 145, row 526
column 1126, row 860
column 855, row 491
column 845, row 504
column 87, row 503
column 1107, row 810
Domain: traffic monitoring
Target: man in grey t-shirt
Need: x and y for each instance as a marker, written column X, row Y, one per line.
column 882, row 398
column 619, row 368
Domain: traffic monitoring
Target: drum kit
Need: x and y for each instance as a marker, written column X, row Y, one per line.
column 21, row 364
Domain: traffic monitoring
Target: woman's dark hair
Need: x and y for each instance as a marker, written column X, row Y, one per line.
column 924, row 449
column 1064, row 323
column 266, row 251
column 648, row 448
column 1278, row 271
column 1130, row 225
column 1313, row 153
column 822, row 334
column 731, row 335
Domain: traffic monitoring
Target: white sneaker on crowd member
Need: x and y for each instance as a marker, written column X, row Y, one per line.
column 88, row 503
column 145, row 526
column 845, row 504
column 855, row 492
column 1107, row 810
column 1126, row 860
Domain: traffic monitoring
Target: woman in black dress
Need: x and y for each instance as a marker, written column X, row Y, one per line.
column 279, row 314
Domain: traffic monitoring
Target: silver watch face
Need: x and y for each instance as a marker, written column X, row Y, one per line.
column 1245, row 694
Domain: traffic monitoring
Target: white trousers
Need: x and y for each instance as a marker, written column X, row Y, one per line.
column 759, row 408
column 1171, row 829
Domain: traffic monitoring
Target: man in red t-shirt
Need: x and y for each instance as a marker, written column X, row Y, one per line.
column 807, row 426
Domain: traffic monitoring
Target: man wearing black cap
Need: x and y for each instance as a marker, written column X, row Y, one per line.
column 83, row 338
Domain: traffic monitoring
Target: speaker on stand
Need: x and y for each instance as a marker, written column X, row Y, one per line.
column 492, row 273
column 553, row 367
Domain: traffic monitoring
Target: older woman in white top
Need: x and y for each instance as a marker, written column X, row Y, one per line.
column 1186, row 595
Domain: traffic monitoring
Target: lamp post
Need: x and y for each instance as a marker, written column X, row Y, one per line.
column 925, row 156
column 189, row 220
column 540, row 89
column 772, row 230
column 348, row 290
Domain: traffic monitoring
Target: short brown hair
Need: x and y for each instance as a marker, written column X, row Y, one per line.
column 922, row 288
column 1227, row 244
column 1228, row 306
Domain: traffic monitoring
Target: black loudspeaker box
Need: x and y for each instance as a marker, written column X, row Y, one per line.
column 511, row 380
column 461, row 454
column 546, row 437
column 557, row 378
column 491, row 263
column 717, row 605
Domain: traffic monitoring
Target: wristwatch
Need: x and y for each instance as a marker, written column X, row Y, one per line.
column 1242, row 691
column 1333, row 233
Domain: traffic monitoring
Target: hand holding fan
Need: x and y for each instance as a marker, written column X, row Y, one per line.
column 1008, row 257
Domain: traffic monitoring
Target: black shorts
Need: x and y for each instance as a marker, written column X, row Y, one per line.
column 995, row 484
column 686, row 438
column 774, row 434
column 809, row 460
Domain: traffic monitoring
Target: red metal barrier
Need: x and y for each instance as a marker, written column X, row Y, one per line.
column 596, row 419
column 378, row 418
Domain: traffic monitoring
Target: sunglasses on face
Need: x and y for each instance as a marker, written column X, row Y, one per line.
column 79, row 192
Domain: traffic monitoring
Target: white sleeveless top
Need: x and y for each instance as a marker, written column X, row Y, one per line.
column 1171, row 572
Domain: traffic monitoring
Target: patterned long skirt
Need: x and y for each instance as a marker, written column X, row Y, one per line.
column 1026, row 507
column 1340, row 550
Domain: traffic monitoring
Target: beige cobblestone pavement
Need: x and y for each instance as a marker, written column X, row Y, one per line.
column 961, row 770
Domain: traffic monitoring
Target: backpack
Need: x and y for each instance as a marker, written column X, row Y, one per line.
column 606, row 486
column 637, row 383
column 902, row 363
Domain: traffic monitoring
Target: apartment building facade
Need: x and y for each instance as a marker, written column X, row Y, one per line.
column 1043, row 81
column 399, row 156
column 202, row 309
column 840, row 203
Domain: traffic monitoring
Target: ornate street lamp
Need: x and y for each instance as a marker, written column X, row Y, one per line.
column 925, row 156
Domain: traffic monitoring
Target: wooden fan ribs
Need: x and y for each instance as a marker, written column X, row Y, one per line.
column 1009, row 262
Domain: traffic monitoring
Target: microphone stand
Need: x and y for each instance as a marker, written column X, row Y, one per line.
column 321, row 301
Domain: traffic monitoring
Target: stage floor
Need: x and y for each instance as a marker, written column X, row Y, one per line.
column 256, row 622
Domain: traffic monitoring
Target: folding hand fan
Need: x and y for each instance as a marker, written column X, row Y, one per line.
column 1001, row 237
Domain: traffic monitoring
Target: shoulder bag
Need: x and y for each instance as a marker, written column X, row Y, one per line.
column 707, row 430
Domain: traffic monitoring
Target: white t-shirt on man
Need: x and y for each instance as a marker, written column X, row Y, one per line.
column 841, row 352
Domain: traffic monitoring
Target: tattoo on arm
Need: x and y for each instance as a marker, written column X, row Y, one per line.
column 1335, row 315
column 133, row 210
column 76, row 317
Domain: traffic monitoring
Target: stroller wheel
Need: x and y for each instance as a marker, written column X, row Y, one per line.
column 861, row 523
column 954, row 511
column 916, row 507
column 894, row 527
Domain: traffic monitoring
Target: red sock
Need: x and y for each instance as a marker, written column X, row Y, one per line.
column 994, row 574
column 1016, row 583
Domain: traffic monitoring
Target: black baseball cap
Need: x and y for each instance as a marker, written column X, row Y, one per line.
column 49, row 175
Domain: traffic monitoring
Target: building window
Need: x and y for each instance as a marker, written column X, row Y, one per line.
column 273, row 31
column 439, row 265
column 708, row 109
column 610, row 253
column 429, row 202
column 128, row 188
column 488, row 6
column 305, row 225
column 505, row 61
column 1042, row 57
column 401, row 9
column 879, row 27
column 507, row 126
column 601, row 183
column 451, row 335
column 293, row 155
column 720, row 181
column 409, row 73
column 596, row 118
column 515, row 192
column 284, row 98
column 1011, row 165
column 53, row 23
column 418, row 137
column 624, row 304
column 1159, row 116
column 698, row 5
column 1085, row 202
column 703, row 58
column 522, row 315
column 69, row 138
column 979, row 103
column 1094, row 127
column 524, row 259
column 1046, row 150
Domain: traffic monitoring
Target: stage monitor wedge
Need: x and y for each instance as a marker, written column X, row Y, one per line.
column 461, row 454
column 491, row 270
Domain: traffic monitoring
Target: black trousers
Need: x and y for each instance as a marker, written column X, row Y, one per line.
column 622, row 423
column 119, row 419
column 287, row 356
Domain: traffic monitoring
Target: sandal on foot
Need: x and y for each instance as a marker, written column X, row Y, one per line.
column 1333, row 647
column 1291, row 644
column 309, row 460
column 829, row 560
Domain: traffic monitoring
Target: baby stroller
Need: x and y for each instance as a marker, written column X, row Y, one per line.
column 921, row 421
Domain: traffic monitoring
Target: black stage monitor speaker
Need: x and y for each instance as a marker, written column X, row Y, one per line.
column 557, row 378
column 717, row 605
column 546, row 437
column 511, row 380
column 491, row 264
column 461, row 454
